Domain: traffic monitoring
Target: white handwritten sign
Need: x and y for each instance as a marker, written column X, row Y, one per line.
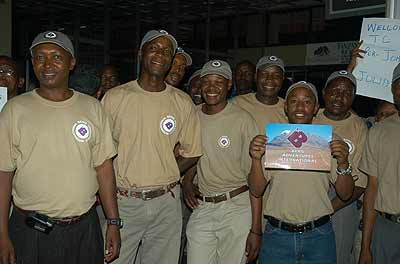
column 381, row 38
column 3, row 97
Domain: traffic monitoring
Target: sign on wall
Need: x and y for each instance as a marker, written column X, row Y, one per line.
column 347, row 8
column 381, row 38
column 329, row 53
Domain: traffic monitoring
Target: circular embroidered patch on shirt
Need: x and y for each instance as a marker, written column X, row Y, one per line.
column 50, row 35
column 216, row 64
column 343, row 72
column 224, row 142
column 273, row 58
column 81, row 131
column 168, row 125
column 350, row 145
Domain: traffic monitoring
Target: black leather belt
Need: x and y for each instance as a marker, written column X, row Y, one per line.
column 297, row 228
column 391, row 217
column 59, row 221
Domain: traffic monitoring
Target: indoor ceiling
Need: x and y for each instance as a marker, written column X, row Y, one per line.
column 150, row 11
column 128, row 14
column 188, row 9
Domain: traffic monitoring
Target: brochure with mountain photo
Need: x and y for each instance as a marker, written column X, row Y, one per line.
column 298, row 147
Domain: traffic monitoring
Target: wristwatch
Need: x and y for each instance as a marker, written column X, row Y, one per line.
column 115, row 221
column 347, row 171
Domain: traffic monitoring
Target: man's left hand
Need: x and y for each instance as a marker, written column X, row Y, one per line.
column 253, row 245
column 340, row 151
column 113, row 243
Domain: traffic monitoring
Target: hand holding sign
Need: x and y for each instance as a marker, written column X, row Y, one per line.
column 381, row 43
column 257, row 147
column 356, row 53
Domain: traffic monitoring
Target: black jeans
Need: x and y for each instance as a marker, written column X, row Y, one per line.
column 80, row 243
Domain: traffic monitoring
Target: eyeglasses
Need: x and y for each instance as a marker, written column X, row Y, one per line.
column 7, row 72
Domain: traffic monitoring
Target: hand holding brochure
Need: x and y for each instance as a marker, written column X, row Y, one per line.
column 298, row 147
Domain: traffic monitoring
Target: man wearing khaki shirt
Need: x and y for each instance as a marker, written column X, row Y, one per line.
column 149, row 117
column 244, row 77
column 194, row 88
column 55, row 156
column 381, row 213
column 222, row 228
column 297, row 206
column 265, row 106
column 9, row 76
column 181, row 61
column 339, row 94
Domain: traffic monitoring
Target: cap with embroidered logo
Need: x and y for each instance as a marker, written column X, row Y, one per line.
column 396, row 73
column 218, row 67
column 153, row 34
column 342, row 74
column 304, row 84
column 186, row 55
column 54, row 37
column 268, row 61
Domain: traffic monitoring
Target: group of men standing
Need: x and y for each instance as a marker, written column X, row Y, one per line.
column 61, row 148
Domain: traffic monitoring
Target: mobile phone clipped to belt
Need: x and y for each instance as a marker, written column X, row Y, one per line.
column 40, row 222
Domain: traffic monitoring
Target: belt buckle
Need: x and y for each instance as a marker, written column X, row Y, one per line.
column 216, row 198
column 143, row 195
column 123, row 192
column 397, row 219
column 300, row 228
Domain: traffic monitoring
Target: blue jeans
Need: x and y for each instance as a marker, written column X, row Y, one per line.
column 312, row 247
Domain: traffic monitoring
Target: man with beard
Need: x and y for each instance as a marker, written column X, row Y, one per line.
column 56, row 155
column 181, row 61
column 339, row 94
column 297, row 206
column 381, row 208
column 149, row 117
column 194, row 87
column 109, row 78
column 10, row 77
column 244, row 77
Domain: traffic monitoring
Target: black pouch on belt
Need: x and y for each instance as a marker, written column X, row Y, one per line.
column 40, row 222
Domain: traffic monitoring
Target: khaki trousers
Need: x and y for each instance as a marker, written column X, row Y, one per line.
column 217, row 233
column 156, row 223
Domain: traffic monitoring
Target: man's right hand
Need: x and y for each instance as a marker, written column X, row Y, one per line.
column 356, row 53
column 257, row 147
column 189, row 194
column 365, row 257
column 7, row 255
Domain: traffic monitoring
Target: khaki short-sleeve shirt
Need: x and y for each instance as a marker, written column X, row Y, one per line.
column 226, row 162
column 381, row 159
column 146, row 127
column 298, row 196
column 262, row 113
column 353, row 131
column 54, row 148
